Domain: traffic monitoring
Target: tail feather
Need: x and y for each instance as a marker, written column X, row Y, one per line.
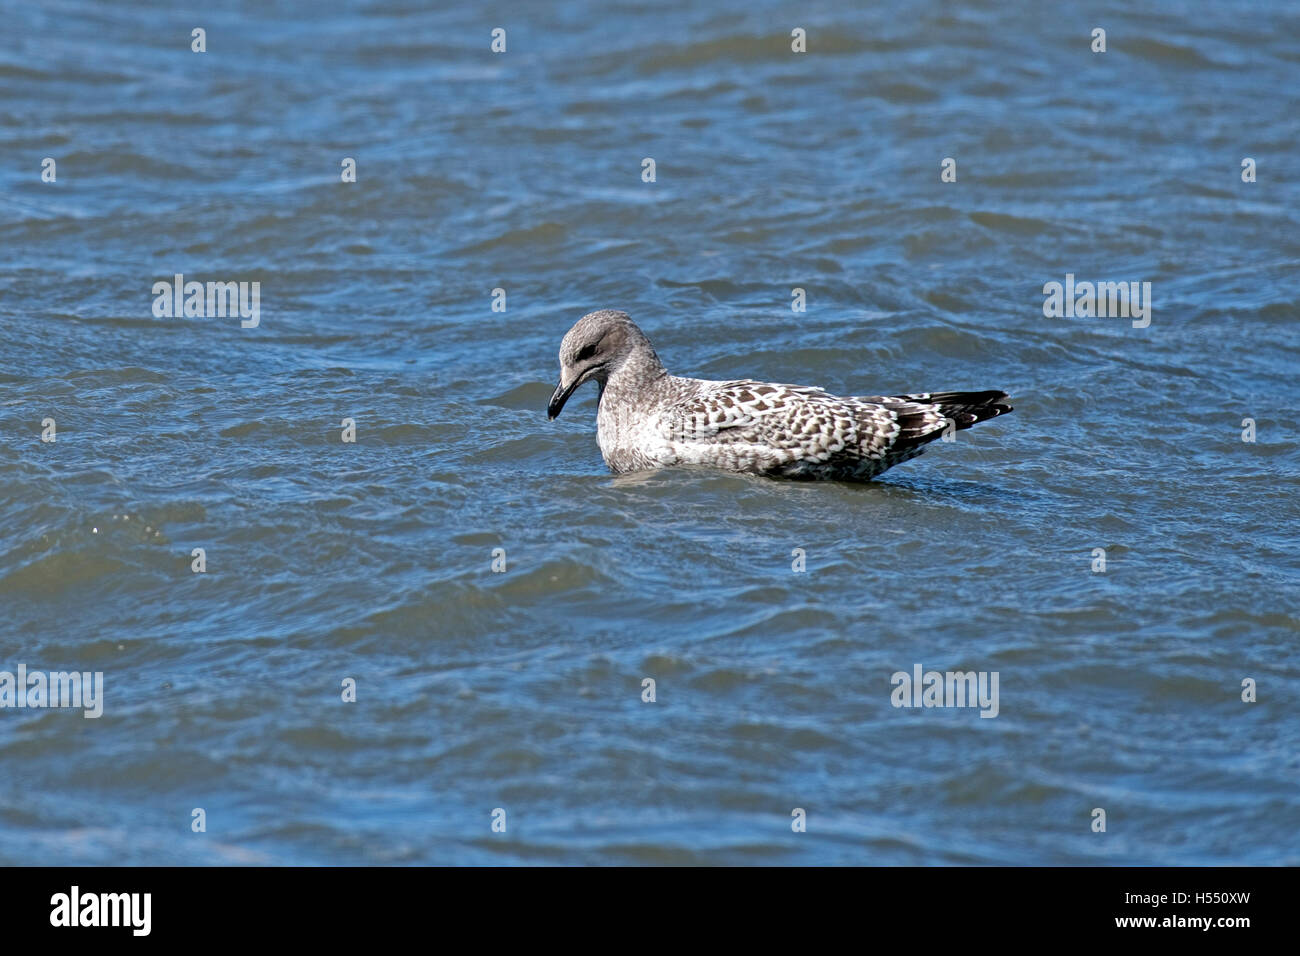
column 965, row 408
column 925, row 417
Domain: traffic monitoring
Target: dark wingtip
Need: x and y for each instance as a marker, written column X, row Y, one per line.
column 970, row 408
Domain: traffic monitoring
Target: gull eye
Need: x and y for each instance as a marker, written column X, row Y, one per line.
column 586, row 352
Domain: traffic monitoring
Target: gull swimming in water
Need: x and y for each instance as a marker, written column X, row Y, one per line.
column 649, row 419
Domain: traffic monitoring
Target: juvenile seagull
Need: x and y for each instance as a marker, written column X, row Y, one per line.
column 650, row 419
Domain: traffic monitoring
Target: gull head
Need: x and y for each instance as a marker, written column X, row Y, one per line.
column 597, row 346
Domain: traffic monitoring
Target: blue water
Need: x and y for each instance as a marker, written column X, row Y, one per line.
column 521, row 690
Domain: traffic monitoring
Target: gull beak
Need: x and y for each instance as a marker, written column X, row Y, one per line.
column 560, row 396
